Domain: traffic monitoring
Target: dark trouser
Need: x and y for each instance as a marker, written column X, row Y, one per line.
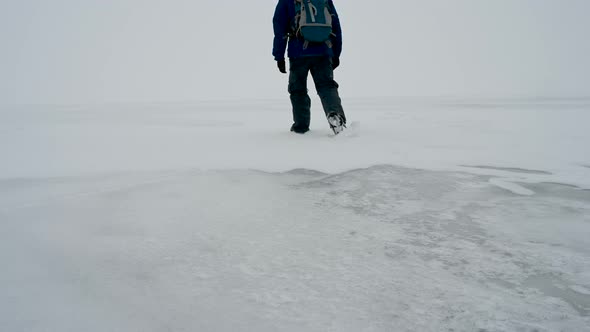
column 323, row 77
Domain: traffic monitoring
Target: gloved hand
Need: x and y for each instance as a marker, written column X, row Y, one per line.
column 282, row 66
column 335, row 63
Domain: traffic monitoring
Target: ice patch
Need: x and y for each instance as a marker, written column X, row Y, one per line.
column 578, row 297
column 581, row 290
column 511, row 187
column 511, row 169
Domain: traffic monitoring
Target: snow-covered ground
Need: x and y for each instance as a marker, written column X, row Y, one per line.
column 426, row 215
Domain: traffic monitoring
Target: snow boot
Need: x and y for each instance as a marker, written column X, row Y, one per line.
column 336, row 123
column 299, row 130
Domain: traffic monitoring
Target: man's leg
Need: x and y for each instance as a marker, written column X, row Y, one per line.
column 327, row 88
column 300, row 100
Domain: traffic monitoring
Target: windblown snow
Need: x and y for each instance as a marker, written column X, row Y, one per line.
column 425, row 215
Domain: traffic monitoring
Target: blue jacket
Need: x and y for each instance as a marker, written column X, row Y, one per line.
column 283, row 23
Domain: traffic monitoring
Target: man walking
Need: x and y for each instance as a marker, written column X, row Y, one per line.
column 311, row 30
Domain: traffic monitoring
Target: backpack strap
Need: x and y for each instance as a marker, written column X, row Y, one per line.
column 313, row 11
column 295, row 26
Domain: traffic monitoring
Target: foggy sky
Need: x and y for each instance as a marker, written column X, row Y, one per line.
column 86, row 51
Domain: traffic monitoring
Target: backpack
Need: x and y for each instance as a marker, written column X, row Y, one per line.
column 313, row 21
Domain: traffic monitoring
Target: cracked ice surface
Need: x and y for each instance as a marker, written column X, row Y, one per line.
column 378, row 249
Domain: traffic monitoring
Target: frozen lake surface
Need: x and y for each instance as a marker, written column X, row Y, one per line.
column 430, row 215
